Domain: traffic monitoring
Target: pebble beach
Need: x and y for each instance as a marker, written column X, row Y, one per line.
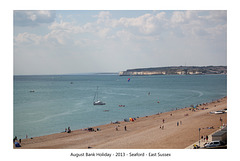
column 176, row 129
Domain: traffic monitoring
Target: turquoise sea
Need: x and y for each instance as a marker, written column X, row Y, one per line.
column 59, row 101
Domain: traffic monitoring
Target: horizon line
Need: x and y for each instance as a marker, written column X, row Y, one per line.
column 108, row 73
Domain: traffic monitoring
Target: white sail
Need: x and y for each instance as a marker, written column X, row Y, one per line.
column 96, row 101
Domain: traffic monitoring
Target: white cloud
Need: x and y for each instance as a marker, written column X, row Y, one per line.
column 103, row 16
column 178, row 17
column 66, row 27
column 148, row 26
column 33, row 18
column 151, row 37
column 28, row 38
column 57, row 36
column 125, row 35
column 103, row 32
column 195, row 24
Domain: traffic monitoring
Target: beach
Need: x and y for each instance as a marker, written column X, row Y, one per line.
column 170, row 130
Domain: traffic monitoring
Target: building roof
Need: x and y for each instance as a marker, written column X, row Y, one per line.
column 219, row 133
column 224, row 129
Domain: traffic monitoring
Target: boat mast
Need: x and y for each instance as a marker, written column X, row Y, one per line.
column 96, row 95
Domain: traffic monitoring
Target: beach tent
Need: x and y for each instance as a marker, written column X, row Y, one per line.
column 131, row 119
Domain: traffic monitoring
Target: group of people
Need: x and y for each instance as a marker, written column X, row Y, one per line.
column 125, row 128
column 204, row 138
column 68, row 130
column 162, row 126
column 179, row 123
column 17, row 142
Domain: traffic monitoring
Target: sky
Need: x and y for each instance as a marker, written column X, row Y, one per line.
column 92, row 41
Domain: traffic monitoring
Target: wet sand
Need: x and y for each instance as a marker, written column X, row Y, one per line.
column 143, row 133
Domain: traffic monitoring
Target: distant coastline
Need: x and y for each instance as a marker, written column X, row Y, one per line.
column 176, row 70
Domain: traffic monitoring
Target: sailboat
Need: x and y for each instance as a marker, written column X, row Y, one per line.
column 97, row 102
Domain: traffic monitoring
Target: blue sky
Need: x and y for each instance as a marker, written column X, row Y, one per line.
column 83, row 41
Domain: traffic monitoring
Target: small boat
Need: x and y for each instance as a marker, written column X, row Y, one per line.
column 96, row 101
column 99, row 103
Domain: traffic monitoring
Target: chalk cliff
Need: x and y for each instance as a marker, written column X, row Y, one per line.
column 176, row 70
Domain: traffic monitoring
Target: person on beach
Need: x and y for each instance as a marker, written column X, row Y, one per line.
column 17, row 144
column 163, row 120
column 207, row 138
column 15, row 138
column 125, row 128
column 221, row 120
column 116, row 128
column 69, row 130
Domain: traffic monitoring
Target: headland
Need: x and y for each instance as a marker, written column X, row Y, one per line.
column 176, row 70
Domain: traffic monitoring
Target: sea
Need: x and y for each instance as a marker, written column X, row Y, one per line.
column 47, row 104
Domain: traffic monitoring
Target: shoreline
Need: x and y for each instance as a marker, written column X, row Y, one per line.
column 158, row 131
